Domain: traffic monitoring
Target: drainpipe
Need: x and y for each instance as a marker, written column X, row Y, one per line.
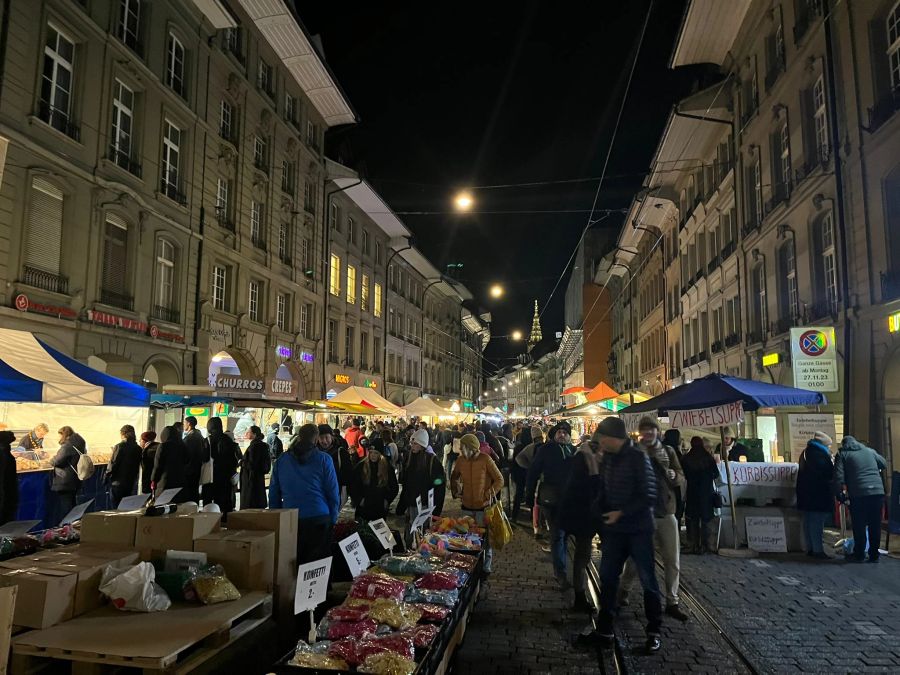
column 201, row 228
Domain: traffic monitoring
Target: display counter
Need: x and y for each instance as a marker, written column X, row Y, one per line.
column 34, row 491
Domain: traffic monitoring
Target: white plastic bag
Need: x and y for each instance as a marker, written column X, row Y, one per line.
column 134, row 588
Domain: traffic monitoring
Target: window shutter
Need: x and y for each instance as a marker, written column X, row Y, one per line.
column 43, row 246
column 115, row 254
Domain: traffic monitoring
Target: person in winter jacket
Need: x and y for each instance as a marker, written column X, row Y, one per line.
column 421, row 473
column 391, row 453
column 700, row 473
column 524, row 460
column 198, row 454
column 626, row 498
column 814, row 496
column 352, row 436
column 575, row 511
column 170, row 465
column 34, row 439
column 518, row 473
column 550, row 467
column 64, row 481
column 276, row 447
column 672, row 438
column 735, row 451
column 149, row 447
column 303, row 478
column 226, row 456
column 858, row 468
column 255, row 464
column 341, row 457
column 374, row 485
column 666, row 535
column 124, row 466
column 9, row 481
column 485, row 448
column 476, row 480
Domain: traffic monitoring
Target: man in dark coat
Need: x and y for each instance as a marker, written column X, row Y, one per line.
column 814, row 496
column 255, row 464
column 198, row 454
column 626, row 497
column 170, row 464
column 226, row 456
column 9, row 481
column 334, row 447
column 124, row 466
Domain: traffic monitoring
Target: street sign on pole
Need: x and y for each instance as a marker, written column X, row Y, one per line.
column 814, row 358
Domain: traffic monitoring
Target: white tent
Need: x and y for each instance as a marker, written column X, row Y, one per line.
column 424, row 407
column 490, row 410
column 369, row 398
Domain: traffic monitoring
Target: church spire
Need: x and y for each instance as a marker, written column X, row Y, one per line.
column 535, row 336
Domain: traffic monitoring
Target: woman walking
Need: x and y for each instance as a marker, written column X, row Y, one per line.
column 700, row 473
column 124, row 466
column 374, row 485
column 255, row 464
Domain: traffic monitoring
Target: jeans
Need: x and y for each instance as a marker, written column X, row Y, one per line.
column 616, row 548
column 865, row 512
column 580, row 562
column 518, row 477
column 666, row 543
column 814, row 529
column 486, row 543
column 557, row 542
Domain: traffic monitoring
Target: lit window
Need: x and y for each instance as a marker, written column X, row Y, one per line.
column 351, row 284
column 253, row 301
column 376, row 307
column 364, row 293
column 334, row 280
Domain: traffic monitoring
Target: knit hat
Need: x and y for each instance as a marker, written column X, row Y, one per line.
column 648, row 422
column 823, row 438
column 148, row 436
column 469, row 442
column 421, row 437
column 325, row 430
column 728, row 432
column 613, row 427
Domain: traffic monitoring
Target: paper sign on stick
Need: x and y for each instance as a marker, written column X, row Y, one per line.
column 355, row 554
column 383, row 532
column 76, row 513
column 312, row 584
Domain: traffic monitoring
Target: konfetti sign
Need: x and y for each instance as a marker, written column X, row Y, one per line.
column 814, row 358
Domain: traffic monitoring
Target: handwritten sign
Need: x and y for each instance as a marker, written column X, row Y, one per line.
column 312, row 584
column 76, row 513
column 803, row 427
column 383, row 532
column 767, row 474
column 355, row 554
column 765, row 534
column 166, row 496
column 705, row 418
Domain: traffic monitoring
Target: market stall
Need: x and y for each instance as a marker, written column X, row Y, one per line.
column 425, row 407
column 368, row 398
column 39, row 384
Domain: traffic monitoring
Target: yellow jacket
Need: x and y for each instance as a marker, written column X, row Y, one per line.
column 476, row 479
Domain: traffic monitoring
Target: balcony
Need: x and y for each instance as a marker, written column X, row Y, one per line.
column 170, row 190
column 226, row 133
column 686, row 363
column 116, row 299
column 59, row 120
column 717, row 347
column 808, row 11
column 729, row 250
column 733, row 340
column 225, row 222
column 309, row 206
column 285, row 259
column 123, row 161
column 698, row 276
column 755, row 337
column 780, row 193
column 131, row 41
column 714, row 263
column 820, row 159
column 702, row 356
column 167, row 314
column 884, row 109
column 47, row 281
column 822, row 310
column 783, row 325
column 259, row 163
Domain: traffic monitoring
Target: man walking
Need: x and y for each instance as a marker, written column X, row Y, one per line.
column 197, row 455
column 669, row 477
column 857, row 469
column 624, row 505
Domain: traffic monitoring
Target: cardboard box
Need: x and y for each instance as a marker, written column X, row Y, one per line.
column 109, row 527
column 283, row 522
column 44, row 598
column 177, row 531
column 248, row 556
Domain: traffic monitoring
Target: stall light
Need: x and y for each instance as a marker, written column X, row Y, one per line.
column 772, row 359
column 894, row 322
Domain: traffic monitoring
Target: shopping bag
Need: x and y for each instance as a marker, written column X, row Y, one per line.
column 499, row 529
column 134, row 588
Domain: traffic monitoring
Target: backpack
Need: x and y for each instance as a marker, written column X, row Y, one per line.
column 85, row 467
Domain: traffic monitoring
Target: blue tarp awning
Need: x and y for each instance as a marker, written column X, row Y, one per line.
column 175, row 401
column 716, row 389
column 33, row 372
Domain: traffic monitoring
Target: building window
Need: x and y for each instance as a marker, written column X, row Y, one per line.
column 171, row 162
column 376, row 354
column 893, row 51
column 165, row 280
column 351, row 285
column 334, row 217
column 284, row 243
column 256, row 224
column 790, row 299
column 363, row 350
column 234, row 42
column 265, row 78
column 348, row 345
column 334, row 279
column 56, row 82
column 376, row 307
column 378, row 253
column 785, row 151
column 364, row 293
column 351, row 230
column 114, row 279
column 305, row 312
column 332, row 341
column 226, row 120
column 219, row 288
column 223, row 203
column 43, row 245
column 829, row 263
column 287, row 177
column 820, row 119
column 760, row 309
column 281, row 311
column 365, row 241
column 309, row 197
column 306, row 255
column 290, row 108
column 122, row 127
column 175, row 65
column 260, row 153
column 253, row 301
column 312, row 135
column 129, row 28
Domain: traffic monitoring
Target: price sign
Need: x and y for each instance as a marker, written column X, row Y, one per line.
column 76, row 513
column 355, row 554
column 312, row 584
column 383, row 532
column 166, row 496
column 421, row 518
column 133, row 502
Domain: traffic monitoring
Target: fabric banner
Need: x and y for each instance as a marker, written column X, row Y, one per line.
column 715, row 416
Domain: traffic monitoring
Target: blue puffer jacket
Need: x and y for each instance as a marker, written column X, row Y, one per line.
column 627, row 483
column 305, row 481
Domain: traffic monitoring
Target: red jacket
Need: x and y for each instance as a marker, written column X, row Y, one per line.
column 352, row 436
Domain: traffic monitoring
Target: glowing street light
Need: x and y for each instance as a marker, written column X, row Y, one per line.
column 517, row 335
column 496, row 291
column 463, row 201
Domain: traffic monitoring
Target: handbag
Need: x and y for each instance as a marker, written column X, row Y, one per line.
column 717, row 499
column 499, row 529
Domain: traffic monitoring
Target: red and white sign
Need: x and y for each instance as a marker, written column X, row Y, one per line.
column 158, row 334
column 703, row 418
column 116, row 321
column 24, row 304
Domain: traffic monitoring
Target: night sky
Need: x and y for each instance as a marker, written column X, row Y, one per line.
column 484, row 94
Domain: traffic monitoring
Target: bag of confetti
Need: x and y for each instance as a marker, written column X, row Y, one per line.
column 347, row 613
column 387, row 663
column 212, row 586
column 438, row 581
column 414, row 564
column 336, row 630
column 394, row 614
column 447, row 598
column 375, row 586
column 317, row 656
column 432, row 612
column 422, row 635
column 394, row 642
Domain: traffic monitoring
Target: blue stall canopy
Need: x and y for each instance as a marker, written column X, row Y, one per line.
column 33, row 372
column 169, row 401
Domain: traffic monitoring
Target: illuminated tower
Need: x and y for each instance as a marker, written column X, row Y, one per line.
column 535, row 336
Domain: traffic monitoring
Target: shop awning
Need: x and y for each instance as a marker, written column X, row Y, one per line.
column 571, row 391
column 170, row 401
column 368, row 398
column 33, row 372
column 332, row 407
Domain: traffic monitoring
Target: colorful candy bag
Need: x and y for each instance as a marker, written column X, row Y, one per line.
column 432, row 612
column 447, row 598
column 438, row 581
column 422, row 635
column 376, row 586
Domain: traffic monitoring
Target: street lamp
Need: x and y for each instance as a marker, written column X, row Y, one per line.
column 463, row 201
column 516, row 335
column 496, row 291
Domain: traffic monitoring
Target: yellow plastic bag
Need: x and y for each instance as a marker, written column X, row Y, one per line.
column 499, row 529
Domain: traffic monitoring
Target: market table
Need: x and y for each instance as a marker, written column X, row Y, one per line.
column 174, row 641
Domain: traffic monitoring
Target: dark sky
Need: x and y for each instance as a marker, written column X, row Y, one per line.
column 493, row 93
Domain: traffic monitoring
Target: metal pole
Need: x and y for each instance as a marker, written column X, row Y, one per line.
column 730, row 491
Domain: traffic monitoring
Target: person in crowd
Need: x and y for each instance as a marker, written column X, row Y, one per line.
column 421, row 473
column 197, row 454
column 485, row 448
column 814, row 495
column 276, row 447
column 669, row 475
column 9, row 481
column 226, row 456
column 390, row 448
column 352, row 436
column 524, row 460
column 550, row 466
column 34, row 439
column 672, row 438
column 374, row 484
column 733, row 448
column 304, row 479
column 179, row 429
column 170, row 465
column 255, row 464
column 476, row 481
column 149, row 447
column 124, row 466
column 340, row 457
column 287, row 425
column 64, row 481
column 626, row 497
column 575, row 512
column 518, row 473
column 857, row 477
column 700, row 473
column 453, row 452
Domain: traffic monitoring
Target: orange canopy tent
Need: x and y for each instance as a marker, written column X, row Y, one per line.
column 602, row 392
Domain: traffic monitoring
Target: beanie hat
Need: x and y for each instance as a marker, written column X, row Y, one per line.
column 613, row 427
column 648, row 422
column 728, row 432
column 421, row 437
column 325, row 430
column 469, row 442
column 823, row 438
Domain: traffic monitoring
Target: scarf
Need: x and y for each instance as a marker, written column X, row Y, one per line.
column 592, row 460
